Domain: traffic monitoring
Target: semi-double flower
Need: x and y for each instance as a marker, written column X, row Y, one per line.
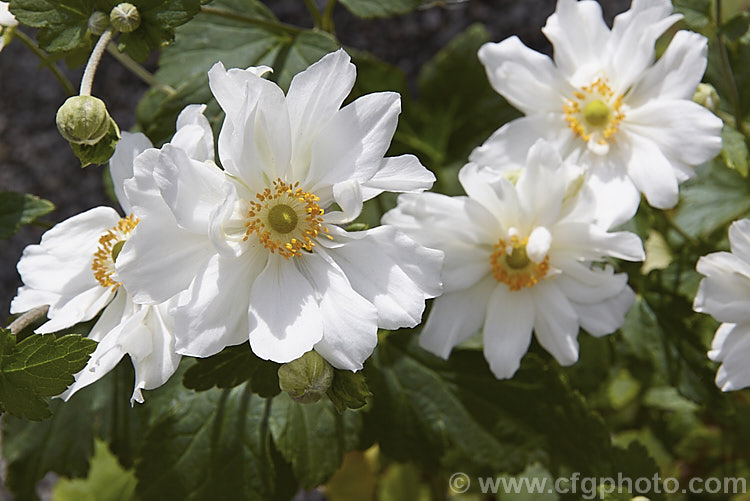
column 605, row 104
column 255, row 250
column 519, row 258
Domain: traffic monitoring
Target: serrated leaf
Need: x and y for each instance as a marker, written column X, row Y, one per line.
column 734, row 151
column 17, row 209
column 214, row 444
column 380, row 8
column 210, row 38
column 62, row 24
column 230, row 367
column 101, row 152
column 38, row 367
column 312, row 437
column 349, row 390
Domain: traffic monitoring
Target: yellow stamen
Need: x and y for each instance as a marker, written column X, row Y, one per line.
column 285, row 219
column 511, row 264
column 110, row 245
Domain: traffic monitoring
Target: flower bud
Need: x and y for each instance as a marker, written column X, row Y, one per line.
column 706, row 95
column 306, row 379
column 125, row 17
column 98, row 22
column 83, row 120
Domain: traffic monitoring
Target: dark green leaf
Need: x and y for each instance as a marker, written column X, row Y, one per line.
column 349, row 390
column 17, row 209
column 101, row 152
column 229, row 368
column 734, row 151
column 380, row 8
column 313, row 437
column 38, row 367
column 62, row 24
column 697, row 12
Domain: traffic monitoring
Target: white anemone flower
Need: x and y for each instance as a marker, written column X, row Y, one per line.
column 605, row 104
column 724, row 294
column 7, row 20
column 254, row 250
column 73, row 271
column 519, row 258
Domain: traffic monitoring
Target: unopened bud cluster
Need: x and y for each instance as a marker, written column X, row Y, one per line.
column 83, row 120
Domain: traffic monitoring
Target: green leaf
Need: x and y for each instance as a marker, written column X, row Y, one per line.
column 712, row 200
column 38, row 367
column 229, row 368
column 17, row 209
column 106, row 481
column 101, row 152
column 380, row 8
column 423, row 406
column 214, row 444
column 63, row 24
column 697, row 13
column 210, row 38
column 734, row 151
column 349, row 390
column 313, row 437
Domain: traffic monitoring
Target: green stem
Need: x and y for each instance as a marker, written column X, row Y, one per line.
column 139, row 70
column 96, row 55
column 28, row 42
column 327, row 21
column 270, row 25
column 734, row 94
column 314, row 12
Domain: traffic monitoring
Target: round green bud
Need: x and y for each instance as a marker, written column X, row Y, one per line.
column 706, row 95
column 125, row 17
column 306, row 379
column 98, row 22
column 83, row 120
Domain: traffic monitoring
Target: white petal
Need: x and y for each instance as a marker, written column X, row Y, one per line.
column 314, row 96
column 105, row 357
column 493, row 191
column 112, row 315
column 606, row 316
column 725, row 292
column 391, row 271
column 27, row 299
column 289, row 320
column 609, row 198
column 507, row 329
column 404, row 173
column 739, row 239
column 556, row 323
column 6, row 18
column 455, row 317
column 676, row 74
column 684, row 131
column 237, row 90
column 578, row 33
column 194, row 134
column 70, row 310
column 352, row 144
column 583, row 284
column 212, row 313
column 121, row 163
column 350, row 322
column 652, row 173
column 538, row 244
column 527, row 79
column 191, row 189
column 731, row 345
column 349, row 197
column 634, row 33
column 588, row 241
column 542, row 184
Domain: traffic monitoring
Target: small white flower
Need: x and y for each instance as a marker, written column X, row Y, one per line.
column 73, row 271
column 605, row 103
column 519, row 258
column 725, row 295
column 254, row 250
column 7, row 20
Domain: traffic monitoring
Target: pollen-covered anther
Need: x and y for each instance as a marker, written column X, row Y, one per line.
column 110, row 245
column 594, row 112
column 285, row 219
column 512, row 266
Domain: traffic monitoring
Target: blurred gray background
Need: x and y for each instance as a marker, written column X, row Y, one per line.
column 35, row 159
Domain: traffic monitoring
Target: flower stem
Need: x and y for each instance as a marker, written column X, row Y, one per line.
column 28, row 42
column 27, row 319
column 327, row 21
column 139, row 70
column 314, row 12
column 270, row 25
column 96, row 56
column 734, row 94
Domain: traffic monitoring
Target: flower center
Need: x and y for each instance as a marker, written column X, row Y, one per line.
column 594, row 114
column 285, row 219
column 512, row 266
column 110, row 245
